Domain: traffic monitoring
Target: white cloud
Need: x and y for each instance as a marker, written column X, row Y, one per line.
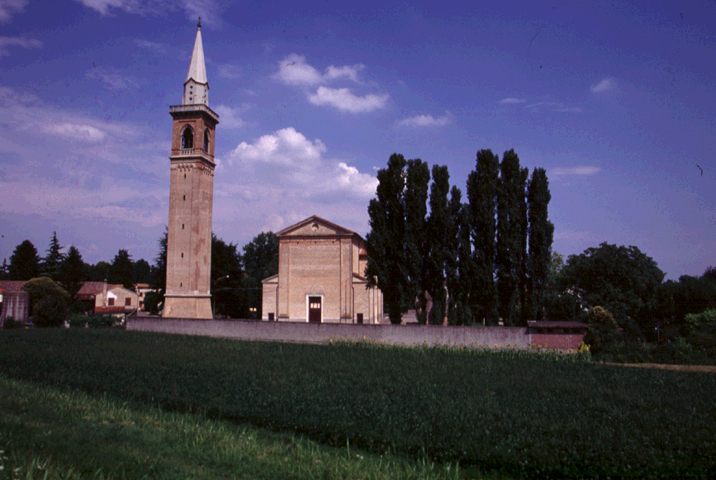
column 427, row 121
column 229, row 71
column 85, row 133
column 28, row 43
column 604, row 85
column 553, row 107
column 208, row 10
column 9, row 7
column 112, row 79
column 103, row 6
column 285, row 148
column 348, row 177
column 579, row 170
column 229, row 116
column 283, row 177
column 344, row 100
column 156, row 47
column 511, row 101
column 351, row 73
column 293, row 70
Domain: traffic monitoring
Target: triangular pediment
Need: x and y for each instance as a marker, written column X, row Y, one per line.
column 315, row 226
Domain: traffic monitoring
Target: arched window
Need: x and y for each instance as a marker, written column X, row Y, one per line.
column 187, row 138
column 206, row 140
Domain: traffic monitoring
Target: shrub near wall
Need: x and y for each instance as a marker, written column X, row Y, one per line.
column 528, row 414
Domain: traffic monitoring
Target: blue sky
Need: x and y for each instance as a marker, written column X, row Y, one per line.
column 616, row 100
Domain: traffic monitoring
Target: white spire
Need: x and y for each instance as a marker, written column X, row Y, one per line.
column 196, row 86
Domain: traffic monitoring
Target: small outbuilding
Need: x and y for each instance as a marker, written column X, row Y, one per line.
column 320, row 277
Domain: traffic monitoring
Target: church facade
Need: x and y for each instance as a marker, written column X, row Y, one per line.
column 191, row 192
column 320, row 277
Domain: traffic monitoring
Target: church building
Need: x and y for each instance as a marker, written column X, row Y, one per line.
column 191, row 191
column 320, row 277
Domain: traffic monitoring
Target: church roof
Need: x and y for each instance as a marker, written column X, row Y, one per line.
column 316, row 226
column 197, row 67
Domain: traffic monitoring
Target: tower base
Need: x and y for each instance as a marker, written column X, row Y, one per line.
column 187, row 306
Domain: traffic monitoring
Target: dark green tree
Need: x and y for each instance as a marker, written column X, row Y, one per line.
column 541, row 233
column 482, row 200
column 441, row 238
column 511, row 235
column 122, row 269
column 260, row 261
column 53, row 259
column 99, row 272
column 227, row 280
column 417, row 182
column 386, row 267
column 4, row 270
column 260, row 257
column 24, row 262
column 142, row 271
column 621, row 279
column 462, row 284
column 710, row 274
column 49, row 303
column 154, row 299
column 72, row 272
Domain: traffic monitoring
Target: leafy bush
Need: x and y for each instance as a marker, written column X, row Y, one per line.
column 93, row 321
column 603, row 329
column 11, row 323
column 49, row 302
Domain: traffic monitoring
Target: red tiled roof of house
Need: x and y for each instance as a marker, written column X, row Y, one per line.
column 11, row 285
column 92, row 288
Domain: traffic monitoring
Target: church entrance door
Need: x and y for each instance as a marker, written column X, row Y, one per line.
column 314, row 309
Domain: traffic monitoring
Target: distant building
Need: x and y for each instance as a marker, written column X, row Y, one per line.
column 320, row 277
column 108, row 299
column 14, row 302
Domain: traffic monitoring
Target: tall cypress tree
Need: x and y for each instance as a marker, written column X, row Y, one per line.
column 53, row 259
column 72, row 271
column 24, row 262
column 511, row 231
column 440, row 238
column 452, row 267
column 541, row 232
column 482, row 198
column 386, row 267
column 122, row 269
column 417, row 180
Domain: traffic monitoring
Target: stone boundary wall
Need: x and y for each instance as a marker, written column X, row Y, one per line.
column 514, row 337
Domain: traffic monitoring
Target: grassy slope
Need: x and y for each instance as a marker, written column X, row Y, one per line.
column 51, row 434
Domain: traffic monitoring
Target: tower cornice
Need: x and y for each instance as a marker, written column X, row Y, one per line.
column 178, row 111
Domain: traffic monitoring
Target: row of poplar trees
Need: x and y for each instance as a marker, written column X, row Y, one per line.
column 461, row 263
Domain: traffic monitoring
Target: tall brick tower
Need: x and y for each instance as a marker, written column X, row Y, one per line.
column 188, row 291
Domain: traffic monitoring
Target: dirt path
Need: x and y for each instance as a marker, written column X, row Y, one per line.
column 678, row 368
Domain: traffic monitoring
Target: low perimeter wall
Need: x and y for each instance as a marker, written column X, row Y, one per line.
column 504, row 337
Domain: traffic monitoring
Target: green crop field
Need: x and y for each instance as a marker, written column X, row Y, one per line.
column 518, row 413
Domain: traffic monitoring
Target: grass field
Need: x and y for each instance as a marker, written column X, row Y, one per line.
column 49, row 433
column 514, row 413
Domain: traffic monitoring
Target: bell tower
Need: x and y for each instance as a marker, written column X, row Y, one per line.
column 191, row 191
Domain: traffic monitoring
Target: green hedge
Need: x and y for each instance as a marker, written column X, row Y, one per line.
column 93, row 321
column 517, row 412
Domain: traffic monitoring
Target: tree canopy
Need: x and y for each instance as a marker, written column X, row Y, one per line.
column 24, row 262
column 621, row 279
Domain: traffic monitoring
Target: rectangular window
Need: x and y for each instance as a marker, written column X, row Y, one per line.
column 128, row 302
column 110, row 302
